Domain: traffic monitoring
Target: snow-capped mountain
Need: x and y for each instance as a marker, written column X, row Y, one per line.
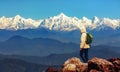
column 60, row 22
column 105, row 22
column 18, row 23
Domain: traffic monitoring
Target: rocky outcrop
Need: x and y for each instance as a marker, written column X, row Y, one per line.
column 116, row 63
column 74, row 65
column 93, row 65
column 100, row 65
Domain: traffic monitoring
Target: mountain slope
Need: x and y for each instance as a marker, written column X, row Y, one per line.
column 35, row 47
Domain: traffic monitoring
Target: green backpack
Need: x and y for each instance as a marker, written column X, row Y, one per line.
column 89, row 38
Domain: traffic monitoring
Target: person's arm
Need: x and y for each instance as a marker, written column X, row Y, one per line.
column 83, row 40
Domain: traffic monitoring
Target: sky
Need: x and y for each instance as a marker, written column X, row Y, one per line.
column 41, row 9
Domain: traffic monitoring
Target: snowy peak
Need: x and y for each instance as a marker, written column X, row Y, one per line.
column 17, row 17
column 60, row 22
column 95, row 19
column 106, row 22
column 18, row 23
column 61, row 15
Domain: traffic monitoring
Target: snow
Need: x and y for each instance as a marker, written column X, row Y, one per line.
column 60, row 22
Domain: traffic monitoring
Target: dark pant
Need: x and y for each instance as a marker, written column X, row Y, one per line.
column 84, row 55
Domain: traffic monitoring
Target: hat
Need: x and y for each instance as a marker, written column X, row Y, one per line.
column 82, row 29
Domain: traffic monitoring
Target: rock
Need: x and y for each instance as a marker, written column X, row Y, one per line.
column 51, row 69
column 74, row 65
column 70, row 68
column 100, row 65
column 73, row 60
column 93, row 70
column 94, row 65
column 83, row 67
column 116, row 63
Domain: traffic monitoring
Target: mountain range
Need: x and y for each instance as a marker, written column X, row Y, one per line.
column 50, row 60
column 41, row 50
column 62, row 28
column 33, row 45
column 57, row 34
column 21, row 54
column 60, row 22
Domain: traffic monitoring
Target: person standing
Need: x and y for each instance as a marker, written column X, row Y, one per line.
column 84, row 47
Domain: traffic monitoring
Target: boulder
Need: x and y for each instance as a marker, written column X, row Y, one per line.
column 70, row 68
column 94, row 70
column 74, row 65
column 100, row 65
column 116, row 63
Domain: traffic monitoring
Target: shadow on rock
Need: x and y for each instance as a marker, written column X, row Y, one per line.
column 116, row 63
column 100, row 65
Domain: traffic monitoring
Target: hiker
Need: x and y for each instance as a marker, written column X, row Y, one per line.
column 84, row 46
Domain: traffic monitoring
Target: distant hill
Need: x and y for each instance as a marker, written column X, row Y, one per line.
column 16, row 65
column 19, row 45
column 95, row 51
column 45, row 51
